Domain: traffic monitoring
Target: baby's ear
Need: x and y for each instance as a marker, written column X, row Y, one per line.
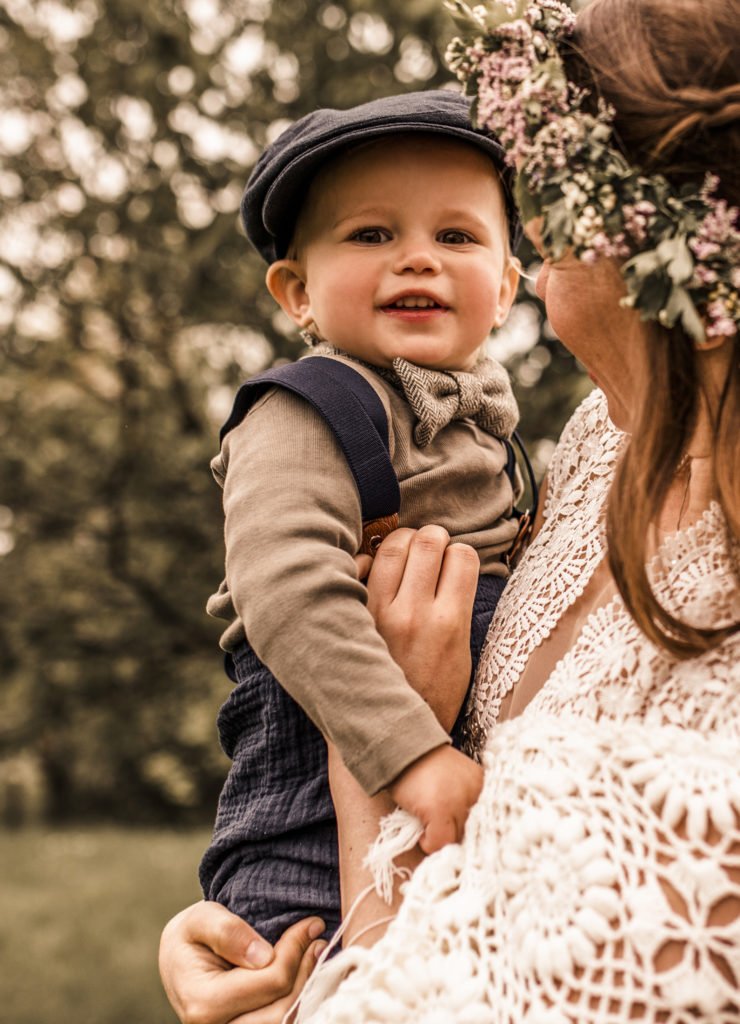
column 286, row 282
column 508, row 289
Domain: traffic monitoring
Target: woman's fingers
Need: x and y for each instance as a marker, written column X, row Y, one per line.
column 255, row 990
column 388, row 569
column 276, row 1012
column 198, row 950
column 407, row 567
column 426, row 552
column 227, row 935
column 243, row 991
column 458, row 579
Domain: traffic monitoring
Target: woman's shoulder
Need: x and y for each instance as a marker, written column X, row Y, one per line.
column 588, row 446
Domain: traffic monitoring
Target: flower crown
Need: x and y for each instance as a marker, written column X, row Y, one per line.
column 679, row 249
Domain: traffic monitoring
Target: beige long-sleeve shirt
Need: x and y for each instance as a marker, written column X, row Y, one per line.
column 292, row 526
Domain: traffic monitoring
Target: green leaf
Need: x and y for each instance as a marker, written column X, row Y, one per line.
column 651, row 288
column 692, row 322
column 463, row 17
column 528, row 203
column 558, row 229
column 677, row 258
column 498, row 14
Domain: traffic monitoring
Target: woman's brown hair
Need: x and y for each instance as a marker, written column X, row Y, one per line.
column 670, row 69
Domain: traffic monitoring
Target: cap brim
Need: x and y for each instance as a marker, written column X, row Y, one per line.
column 290, row 186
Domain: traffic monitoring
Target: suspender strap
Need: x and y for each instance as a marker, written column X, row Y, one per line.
column 525, row 517
column 511, row 470
column 353, row 411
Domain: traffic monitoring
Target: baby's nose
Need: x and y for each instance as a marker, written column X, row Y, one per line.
column 419, row 258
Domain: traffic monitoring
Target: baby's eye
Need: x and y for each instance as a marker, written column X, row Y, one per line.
column 370, row 236
column 454, row 236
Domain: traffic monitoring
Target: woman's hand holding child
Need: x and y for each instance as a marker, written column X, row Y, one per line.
column 421, row 596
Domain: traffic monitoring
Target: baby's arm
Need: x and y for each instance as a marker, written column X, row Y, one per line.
column 293, row 526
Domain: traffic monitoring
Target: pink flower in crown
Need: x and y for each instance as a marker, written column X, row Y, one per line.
column 500, row 106
column 553, row 146
column 703, row 249
column 602, row 246
column 553, row 17
column 720, row 224
column 703, row 274
column 636, row 219
column 720, row 323
column 520, row 30
column 720, row 229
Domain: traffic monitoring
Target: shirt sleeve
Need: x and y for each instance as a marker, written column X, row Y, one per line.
column 293, row 525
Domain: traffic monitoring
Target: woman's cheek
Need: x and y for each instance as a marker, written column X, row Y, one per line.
column 541, row 283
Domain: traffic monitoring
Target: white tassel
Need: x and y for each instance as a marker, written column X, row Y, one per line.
column 399, row 833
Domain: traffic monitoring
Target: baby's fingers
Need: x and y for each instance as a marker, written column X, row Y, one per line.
column 438, row 834
column 364, row 564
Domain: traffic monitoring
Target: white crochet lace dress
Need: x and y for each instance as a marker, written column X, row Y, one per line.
column 608, row 828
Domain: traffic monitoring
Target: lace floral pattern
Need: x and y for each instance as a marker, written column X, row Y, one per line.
column 559, row 563
column 599, row 876
column 612, row 671
column 577, row 869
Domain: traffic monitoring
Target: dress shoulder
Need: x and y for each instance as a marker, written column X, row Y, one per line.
column 588, row 439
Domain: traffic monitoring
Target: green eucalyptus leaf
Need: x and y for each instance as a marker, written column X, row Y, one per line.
column 527, row 202
column 690, row 319
column 678, row 259
column 643, row 264
column 559, row 222
column 498, row 14
column 462, row 15
column 647, row 281
column 681, row 267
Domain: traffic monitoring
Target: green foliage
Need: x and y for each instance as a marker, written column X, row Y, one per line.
column 132, row 307
column 83, row 912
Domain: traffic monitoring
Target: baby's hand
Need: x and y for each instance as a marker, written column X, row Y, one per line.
column 439, row 788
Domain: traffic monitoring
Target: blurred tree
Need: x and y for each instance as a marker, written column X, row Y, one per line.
column 132, row 306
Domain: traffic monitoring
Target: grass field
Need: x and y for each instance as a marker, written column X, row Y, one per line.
column 82, row 910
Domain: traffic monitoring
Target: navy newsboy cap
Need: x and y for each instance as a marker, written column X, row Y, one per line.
column 278, row 184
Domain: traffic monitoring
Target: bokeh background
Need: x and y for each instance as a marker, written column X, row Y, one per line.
column 131, row 307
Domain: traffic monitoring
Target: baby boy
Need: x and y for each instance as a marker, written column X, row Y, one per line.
column 388, row 230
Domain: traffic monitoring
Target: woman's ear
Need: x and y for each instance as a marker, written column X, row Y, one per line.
column 508, row 289
column 286, row 282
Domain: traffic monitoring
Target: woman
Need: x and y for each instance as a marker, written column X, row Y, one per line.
column 600, row 873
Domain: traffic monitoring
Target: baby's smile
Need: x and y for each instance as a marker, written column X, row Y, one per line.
column 415, row 302
column 415, row 306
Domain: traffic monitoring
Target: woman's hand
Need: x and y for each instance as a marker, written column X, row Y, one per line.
column 421, row 591
column 216, row 969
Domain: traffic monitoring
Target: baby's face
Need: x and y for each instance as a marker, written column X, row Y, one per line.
column 403, row 251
